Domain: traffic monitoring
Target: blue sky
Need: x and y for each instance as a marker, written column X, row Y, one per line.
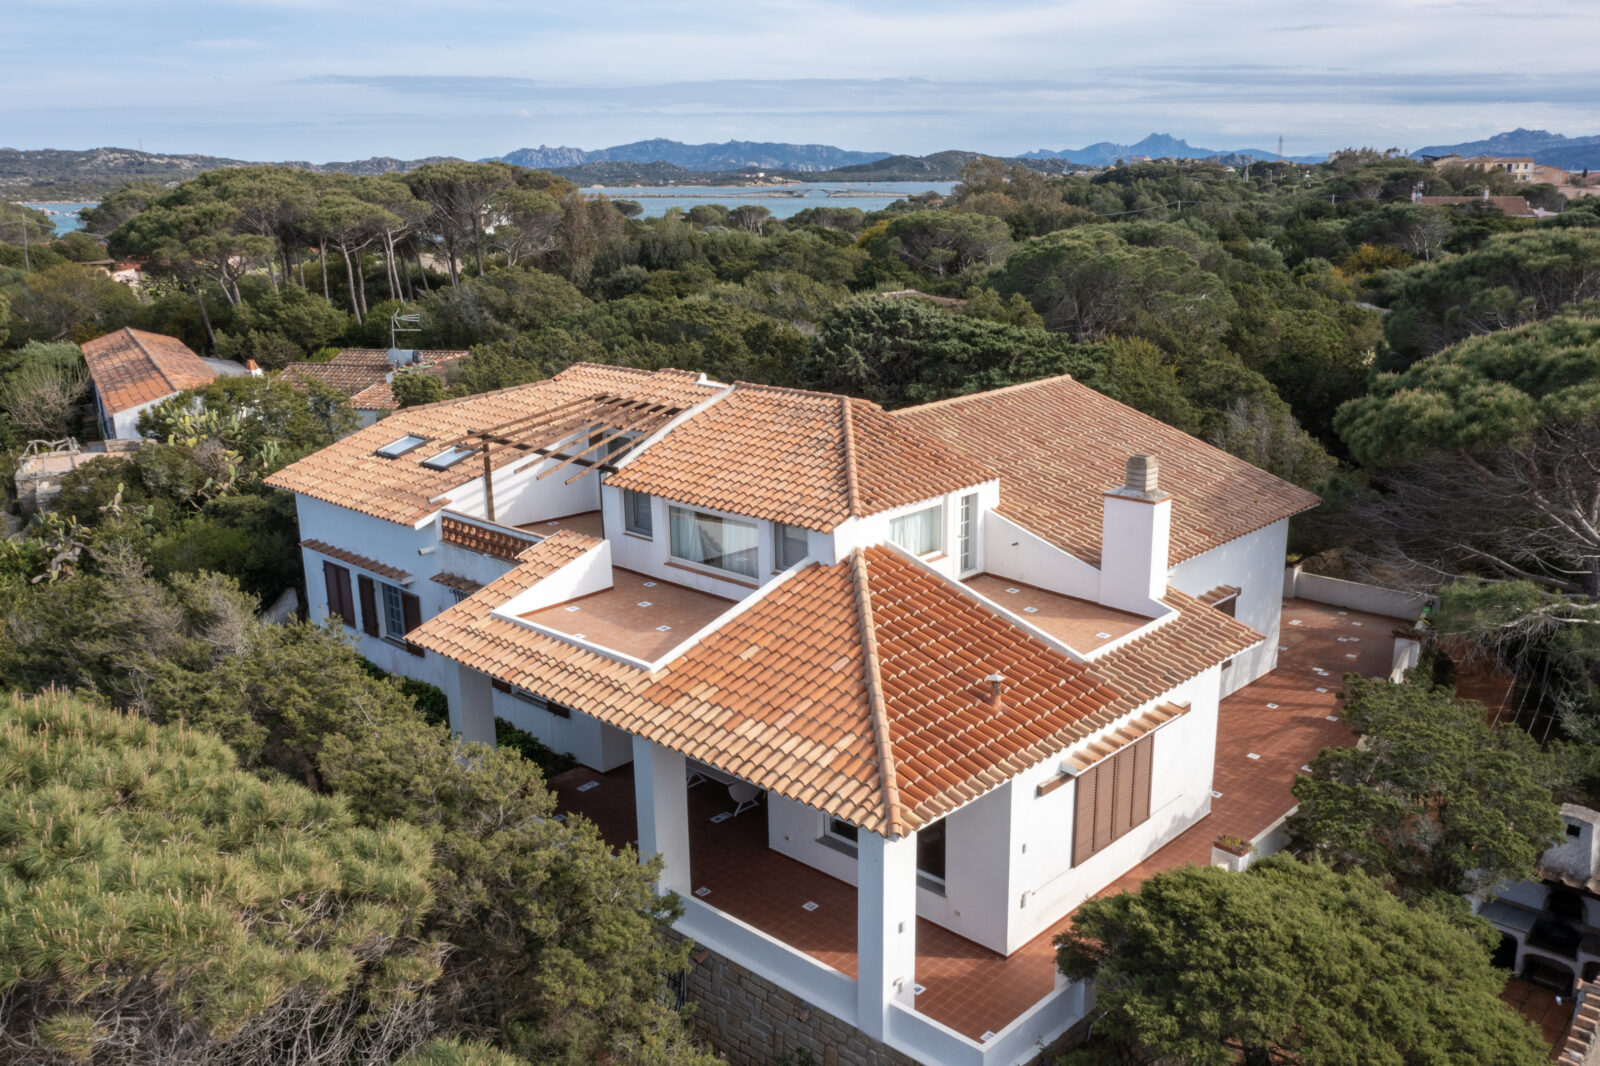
column 341, row 79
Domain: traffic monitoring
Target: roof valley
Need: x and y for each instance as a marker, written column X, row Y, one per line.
column 880, row 711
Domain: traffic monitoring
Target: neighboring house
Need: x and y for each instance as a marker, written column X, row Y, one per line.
column 132, row 370
column 1550, row 928
column 966, row 657
column 1510, row 206
column 366, row 375
column 1522, row 169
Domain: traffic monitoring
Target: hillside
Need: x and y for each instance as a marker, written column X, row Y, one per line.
column 940, row 166
column 61, row 174
column 1555, row 149
column 620, row 173
column 729, row 155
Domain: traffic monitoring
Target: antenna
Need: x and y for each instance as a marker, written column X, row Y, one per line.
column 1280, row 146
column 395, row 326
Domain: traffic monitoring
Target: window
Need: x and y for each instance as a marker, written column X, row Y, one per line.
column 930, row 851
column 969, row 532
column 708, row 540
column 840, row 829
column 919, row 532
column 636, row 517
column 1113, row 798
column 788, row 545
column 446, row 459
column 341, row 604
column 398, row 613
column 395, row 449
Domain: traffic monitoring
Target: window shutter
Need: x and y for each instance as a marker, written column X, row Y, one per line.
column 1105, row 805
column 1083, row 817
column 369, row 607
column 1142, row 754
column 411, row 607
column 340, row 601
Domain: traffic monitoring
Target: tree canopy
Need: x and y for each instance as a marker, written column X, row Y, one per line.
column 1291, row 962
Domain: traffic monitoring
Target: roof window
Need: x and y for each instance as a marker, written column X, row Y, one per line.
column 447, row 458
column 395, row 449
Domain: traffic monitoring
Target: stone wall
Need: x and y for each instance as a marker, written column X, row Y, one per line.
column 753, row 1022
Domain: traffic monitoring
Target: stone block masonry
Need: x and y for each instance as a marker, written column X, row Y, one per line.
column 753, row 1022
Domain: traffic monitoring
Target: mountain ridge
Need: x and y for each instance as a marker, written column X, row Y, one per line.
column 1156, row 146
column 1553, row 149
column 726, row 155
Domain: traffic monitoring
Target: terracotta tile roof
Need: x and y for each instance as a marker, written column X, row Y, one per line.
column 1170, row 654
column 806, row 458
column 1114, row 740
column 371, row 566
column 457, row 582
column 351, row 371
column 350, row 473
column 1060, row 445
column 379, row 396
column 498, row 543
column 1510, row 206
column 131, row 367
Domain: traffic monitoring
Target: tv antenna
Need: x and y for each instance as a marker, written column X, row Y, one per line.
column 1280, row 146
column 396, row 325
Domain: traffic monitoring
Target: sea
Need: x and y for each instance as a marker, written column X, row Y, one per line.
column 783, row 201
column 65, row 216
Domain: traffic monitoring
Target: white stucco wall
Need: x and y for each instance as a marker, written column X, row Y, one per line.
column 1013, row 552
column 874, row 529
column 1253, row 563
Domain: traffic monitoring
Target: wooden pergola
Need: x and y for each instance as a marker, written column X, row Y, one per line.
column 614, row 418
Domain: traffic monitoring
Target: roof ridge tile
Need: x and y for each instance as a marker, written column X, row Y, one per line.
column 893, row 817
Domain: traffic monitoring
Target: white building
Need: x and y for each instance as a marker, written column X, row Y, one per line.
column 966, row 657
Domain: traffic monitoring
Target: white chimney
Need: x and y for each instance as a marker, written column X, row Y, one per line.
column 1135, row 529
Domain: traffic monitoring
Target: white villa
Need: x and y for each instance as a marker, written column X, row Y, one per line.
column 965, row 657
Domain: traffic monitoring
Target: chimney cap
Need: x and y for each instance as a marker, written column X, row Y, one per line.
column 1142, row 479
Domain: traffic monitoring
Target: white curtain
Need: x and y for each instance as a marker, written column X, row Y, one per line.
column 712, row 541
column 918, row 532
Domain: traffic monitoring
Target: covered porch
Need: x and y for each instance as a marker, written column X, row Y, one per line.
column 1266, row 732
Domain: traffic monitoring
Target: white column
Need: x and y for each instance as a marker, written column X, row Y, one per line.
column 886, row 928
column 661, row 800
column 471, row 704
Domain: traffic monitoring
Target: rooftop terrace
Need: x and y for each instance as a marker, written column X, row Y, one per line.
column 1080, row 624
column 638, row 615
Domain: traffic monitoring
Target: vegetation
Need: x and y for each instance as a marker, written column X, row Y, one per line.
column 1289, row 962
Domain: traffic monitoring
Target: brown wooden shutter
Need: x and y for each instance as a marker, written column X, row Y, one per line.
column 340, row 601
column 369, row 607
column 1083, row 817
column 1143, row 753
column 411, row 609
column 1122, row 768
column 1105, row 805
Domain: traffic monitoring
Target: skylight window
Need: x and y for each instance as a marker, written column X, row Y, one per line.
column 446, row 459
column 395, row 449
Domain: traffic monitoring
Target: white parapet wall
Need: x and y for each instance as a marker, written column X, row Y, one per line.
column 1352, row 595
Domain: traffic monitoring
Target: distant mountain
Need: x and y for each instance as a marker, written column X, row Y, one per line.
column 729, row 155
column 1156, row 146
column 615, row 173
column 1554, row 149
column 940, row 166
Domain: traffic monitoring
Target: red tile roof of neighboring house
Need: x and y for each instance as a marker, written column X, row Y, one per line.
column 859, row 688
column 131, row 367
column 810, row 459
column 350, row 371
column 1510, row 206
column 351, row 474
column 1060, row 445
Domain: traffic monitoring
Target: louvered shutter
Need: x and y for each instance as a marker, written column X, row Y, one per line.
column 369, row 607
column 1142, row 752
column 1083, row 817
column 340, row 601
column 411, row 608
column 1105, row 805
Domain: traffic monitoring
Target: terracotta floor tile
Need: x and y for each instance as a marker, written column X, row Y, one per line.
column 966, row 986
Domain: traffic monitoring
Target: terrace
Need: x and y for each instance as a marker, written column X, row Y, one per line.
column 1267, row 732
column 1080, row 624
column 640, row 616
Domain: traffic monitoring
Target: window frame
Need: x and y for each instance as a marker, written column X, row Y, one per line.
column 780, row 556
column 967, row 534
column 451, row 456
column 672, row 547
column 392, row 450
column 938, row 526
column 630, row 500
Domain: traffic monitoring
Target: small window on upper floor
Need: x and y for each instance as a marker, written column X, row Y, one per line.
column 395, row 449
column 636, row 515
column 446, row 459
column 788, row 545
column 920, row 532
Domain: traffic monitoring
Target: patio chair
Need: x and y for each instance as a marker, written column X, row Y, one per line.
column 744, row 796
